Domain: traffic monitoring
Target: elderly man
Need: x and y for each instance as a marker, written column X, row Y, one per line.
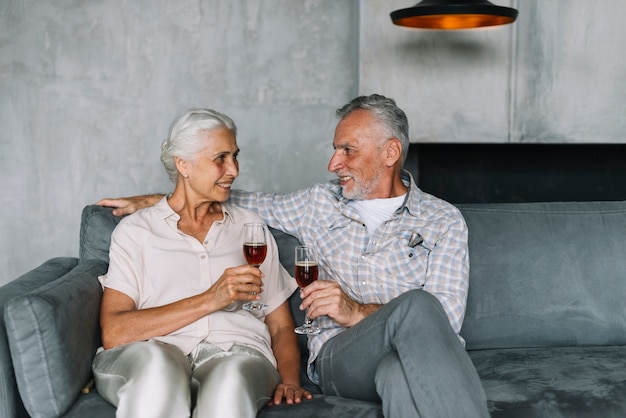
column 394, row 272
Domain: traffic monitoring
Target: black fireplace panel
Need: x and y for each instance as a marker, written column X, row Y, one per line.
column 489, row 173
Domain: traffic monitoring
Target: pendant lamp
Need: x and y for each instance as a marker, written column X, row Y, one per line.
column 453, row 14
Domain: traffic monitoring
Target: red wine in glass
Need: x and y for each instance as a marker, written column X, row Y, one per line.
column 306, row 271
column 254, row 250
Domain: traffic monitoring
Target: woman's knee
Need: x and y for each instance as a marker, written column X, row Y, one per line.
column 166, row 354
column 243, row 380
column 146, row 376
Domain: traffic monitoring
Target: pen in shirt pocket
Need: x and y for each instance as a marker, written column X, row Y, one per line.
column 415, row 239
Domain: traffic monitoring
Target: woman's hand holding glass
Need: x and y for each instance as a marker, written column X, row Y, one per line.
column 237, row 284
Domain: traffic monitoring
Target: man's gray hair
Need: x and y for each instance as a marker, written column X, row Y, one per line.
column 387, row 112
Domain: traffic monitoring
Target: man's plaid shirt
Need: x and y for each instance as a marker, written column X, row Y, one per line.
column 374, row 267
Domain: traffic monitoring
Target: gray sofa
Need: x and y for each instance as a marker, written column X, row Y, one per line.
column 545, row 323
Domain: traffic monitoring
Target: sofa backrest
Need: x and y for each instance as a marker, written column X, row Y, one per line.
column 98, row 222
column 96, row 226
column 546, row 274
column 541, row 274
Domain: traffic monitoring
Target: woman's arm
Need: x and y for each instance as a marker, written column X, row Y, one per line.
column 122, row 322
column 285, row 348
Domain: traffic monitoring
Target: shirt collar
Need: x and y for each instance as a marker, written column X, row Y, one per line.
column 411, row 201
column 166, row 211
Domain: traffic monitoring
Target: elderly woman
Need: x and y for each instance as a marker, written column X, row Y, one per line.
column 175, row 339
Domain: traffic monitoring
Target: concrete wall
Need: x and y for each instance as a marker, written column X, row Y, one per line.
column 558, row 74
column 88, row 90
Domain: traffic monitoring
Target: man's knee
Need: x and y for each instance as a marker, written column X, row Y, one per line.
column 421, row 304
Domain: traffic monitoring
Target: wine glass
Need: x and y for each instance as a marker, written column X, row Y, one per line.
column 255, row 250
column 306, row 272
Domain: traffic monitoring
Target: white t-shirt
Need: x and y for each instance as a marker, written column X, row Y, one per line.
column 376, row 211
column 155, row 263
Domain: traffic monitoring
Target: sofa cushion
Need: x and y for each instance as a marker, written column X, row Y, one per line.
column 325, row 406
column 53, row 333
column 545, row 274
column 554, row 382
column 91, row 405
column 96, row 226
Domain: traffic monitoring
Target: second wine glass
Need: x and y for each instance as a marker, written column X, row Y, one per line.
column 254, row 250
column 306, row 271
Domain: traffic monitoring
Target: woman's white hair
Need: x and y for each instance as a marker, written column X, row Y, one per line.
column 183, row 140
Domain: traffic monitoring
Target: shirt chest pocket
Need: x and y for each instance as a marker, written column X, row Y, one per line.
column 397, row 262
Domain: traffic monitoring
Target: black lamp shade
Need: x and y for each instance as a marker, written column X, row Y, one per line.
column 453, row 14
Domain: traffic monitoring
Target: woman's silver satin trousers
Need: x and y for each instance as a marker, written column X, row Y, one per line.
column 148, row 379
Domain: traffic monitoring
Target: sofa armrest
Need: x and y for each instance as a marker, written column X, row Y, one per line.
column 10, row 402
column 53, row 333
